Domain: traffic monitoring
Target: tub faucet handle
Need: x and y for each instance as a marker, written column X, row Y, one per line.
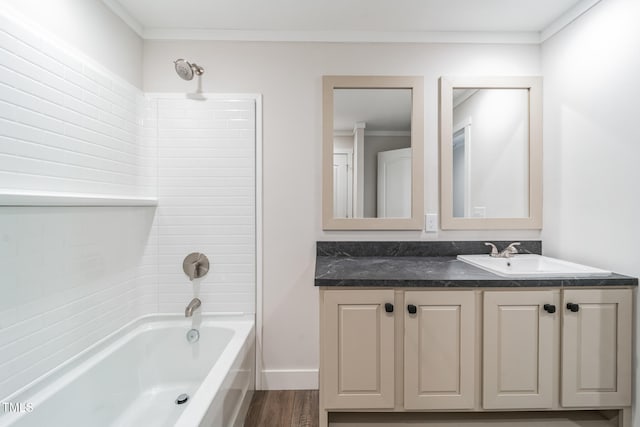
column 195, row 265
column 194, row 268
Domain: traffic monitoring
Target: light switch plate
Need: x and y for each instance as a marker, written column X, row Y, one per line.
column 431, row 223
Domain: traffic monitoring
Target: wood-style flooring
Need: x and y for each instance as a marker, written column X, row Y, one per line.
column 283, row 408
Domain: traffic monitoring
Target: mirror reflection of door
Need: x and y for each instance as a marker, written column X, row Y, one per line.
column 394, row 183
column 368, row 121
column 462, row 169
column 342, row 185
column 459, row 174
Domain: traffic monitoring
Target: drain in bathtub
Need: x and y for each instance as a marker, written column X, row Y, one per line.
column 182, row 399
column 193, row 335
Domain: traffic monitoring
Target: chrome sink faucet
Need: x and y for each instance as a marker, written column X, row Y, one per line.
column 193, row 306
column 508, row 252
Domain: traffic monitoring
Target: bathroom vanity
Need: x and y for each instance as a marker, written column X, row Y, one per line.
column 409, row 335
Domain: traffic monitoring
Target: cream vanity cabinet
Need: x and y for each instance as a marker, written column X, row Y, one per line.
column 360, row 357
column 526, row 334
column 360, row 360
column 439, row 349
column 520, row 345
column 406, row 350
column 596, row 347
column 358, row 349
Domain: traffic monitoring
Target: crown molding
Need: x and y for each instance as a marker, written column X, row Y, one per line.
column 567, row 18
column 128, row 19
column 479, row 37
column 387, row 133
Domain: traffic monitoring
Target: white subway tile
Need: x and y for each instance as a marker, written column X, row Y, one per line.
column 51, row 49
column 241, row 182
column 233, row 163
column 82, row 107
column 83, row 81
column 206, row 230
column 7, row 111
column 18, row 131
column 18, row 31
column 97, row 77
column 171, row 192
column 35, row 119
column 96, row 101
column 67, row 126
column 18, row 66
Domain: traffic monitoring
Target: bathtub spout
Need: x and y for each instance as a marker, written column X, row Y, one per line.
column 193, row 306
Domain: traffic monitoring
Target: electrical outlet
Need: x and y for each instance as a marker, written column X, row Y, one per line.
column 431, row 223
column 479, row 212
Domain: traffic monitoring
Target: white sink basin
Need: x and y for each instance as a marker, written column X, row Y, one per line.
column 527, row 265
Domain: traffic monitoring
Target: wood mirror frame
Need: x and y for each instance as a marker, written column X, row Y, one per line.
column 416, row 85
column 534, row 87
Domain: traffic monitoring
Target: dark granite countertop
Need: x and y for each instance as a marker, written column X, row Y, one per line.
column 340, row 264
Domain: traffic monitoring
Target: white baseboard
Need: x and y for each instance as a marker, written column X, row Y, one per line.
column 289, row 379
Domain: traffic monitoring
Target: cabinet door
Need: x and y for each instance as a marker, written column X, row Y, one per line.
column 596, row 348
column 439, row 350
column 358, row 349
column 519, row 349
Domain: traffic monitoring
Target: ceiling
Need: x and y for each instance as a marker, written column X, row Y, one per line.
column 378, row 109
column 514, row 21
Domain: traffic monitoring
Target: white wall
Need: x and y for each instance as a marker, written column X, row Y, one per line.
column 68, row 275
column 592, row 141
column 91, row 27
column 289, row 77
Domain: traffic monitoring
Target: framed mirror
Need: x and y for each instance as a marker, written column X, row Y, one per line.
column 373, row 132
column 490, row 153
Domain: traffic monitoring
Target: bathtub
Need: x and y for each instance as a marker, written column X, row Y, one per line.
column 134, row 376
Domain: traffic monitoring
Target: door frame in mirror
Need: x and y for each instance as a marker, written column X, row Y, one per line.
column 416, row 84
column 534, row 85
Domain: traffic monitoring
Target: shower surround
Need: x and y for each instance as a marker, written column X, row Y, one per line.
column 206, row 199
column 71, row 275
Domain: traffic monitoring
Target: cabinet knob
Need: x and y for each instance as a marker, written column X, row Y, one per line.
column 412, row 309
column 573, row 307
column 549, row 308
column 388, row 307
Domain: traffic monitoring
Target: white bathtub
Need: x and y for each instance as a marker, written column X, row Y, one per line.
column 133, row 377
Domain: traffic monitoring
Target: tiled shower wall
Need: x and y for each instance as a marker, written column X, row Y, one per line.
column 206, row 191
column 67, row 125
column 68, row 275
column 71, row 275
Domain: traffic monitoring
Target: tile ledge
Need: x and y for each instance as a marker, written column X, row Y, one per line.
column 42, row 198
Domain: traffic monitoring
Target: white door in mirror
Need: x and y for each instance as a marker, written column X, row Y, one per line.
column 394, row 183
column 342, row 186
column 530, row 265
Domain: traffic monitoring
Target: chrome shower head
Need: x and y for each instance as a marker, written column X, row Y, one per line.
column 186, row 70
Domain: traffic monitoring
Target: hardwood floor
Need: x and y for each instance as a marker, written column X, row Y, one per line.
column 283, row 408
